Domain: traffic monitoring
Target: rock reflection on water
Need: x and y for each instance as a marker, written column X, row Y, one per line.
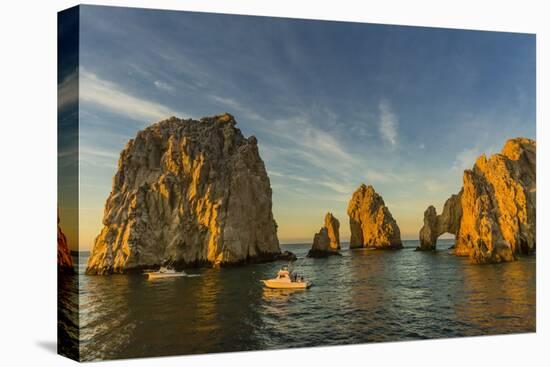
column 507, row 291
column 67, row 315
column 362, row 296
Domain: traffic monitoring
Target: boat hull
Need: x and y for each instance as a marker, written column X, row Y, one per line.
column 286, row 285
column 163, row 276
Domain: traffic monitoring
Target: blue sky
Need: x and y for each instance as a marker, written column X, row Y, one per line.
column 332, row 104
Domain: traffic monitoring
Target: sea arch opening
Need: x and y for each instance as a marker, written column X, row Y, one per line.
column 445, row 241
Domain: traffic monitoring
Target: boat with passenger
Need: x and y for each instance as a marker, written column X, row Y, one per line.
column 287, row 280
column 165, row 272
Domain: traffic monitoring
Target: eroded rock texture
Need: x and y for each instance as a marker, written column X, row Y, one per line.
column 64, row 259
column 189, row 193
column 371, row 222
column 327, row 241
column 497, row 215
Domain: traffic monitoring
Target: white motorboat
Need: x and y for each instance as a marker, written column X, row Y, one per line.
column 165, row 272
column 284, row 280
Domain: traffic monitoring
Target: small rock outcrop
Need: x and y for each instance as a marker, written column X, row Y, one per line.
column 286, row 256
column 64, row 259
column 187, row 192
column 371, row 223
column 327, row 241
column 494, row 215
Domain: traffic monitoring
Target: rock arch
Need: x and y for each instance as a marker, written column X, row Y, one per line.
column 494, row 214
column 435, row 225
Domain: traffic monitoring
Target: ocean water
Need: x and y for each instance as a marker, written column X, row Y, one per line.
column 362, row 296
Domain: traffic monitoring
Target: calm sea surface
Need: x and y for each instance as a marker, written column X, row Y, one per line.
column 363, row 296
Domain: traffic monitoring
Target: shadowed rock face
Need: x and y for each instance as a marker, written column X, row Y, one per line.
column 371, row 222
column 495, row 210
column 64, row 259
column 327, row 241
column 190, row 193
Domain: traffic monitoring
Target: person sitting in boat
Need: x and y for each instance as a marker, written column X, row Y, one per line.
column 287, row 280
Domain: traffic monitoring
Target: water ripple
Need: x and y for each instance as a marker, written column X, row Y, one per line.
column 362, row 296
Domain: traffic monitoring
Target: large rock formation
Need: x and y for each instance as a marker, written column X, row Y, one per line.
column 189, row 193
column 64, row 259
column 327, row 241
column 371, row 222
column 494, row 215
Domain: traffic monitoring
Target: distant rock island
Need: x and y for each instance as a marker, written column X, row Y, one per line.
column 371, row 223
column 327, row 241
column 64, row 259
column 189, row 193
column 494, row 214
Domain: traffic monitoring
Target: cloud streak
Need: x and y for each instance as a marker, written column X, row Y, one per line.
column 316, row 145
column 163, row 86
column 466, row 158
column 376, row 176
column 237, row 107
column 306, row 145
column 388, row 123
column 67, row 91
column 110, row 96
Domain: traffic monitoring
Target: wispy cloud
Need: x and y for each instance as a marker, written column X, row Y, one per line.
column 112, row 97
column 64, row 153
column 466, row 159
column 314, row 143
column 433, row 185
column 302, row 138
column 289, row 176
column 98, row 157
column 339, row 187
column 388, row 123
column 67, row 91
column 308, row 141
column 99, row 152
column 237, row 107
column 163, row 85
column 376, row 176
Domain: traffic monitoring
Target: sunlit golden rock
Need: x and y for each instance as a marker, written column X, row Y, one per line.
column 371, row 222
column 64, row 259
column 435, row 225
column 189, row 193
column 327, row 241
column 497, row 215
column 480, row 236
